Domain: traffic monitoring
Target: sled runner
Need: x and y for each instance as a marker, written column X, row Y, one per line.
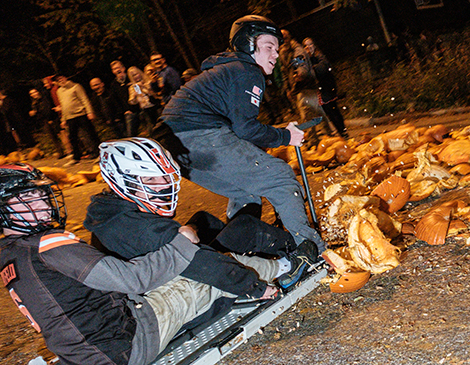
column 208, row 345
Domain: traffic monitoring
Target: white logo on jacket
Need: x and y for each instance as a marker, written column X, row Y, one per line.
column 255, row 101
column 255, row 93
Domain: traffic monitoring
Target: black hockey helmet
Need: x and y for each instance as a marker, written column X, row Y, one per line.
column 18, row 210
column 245, row 30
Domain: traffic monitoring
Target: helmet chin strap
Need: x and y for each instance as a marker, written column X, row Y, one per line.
column 141, row 205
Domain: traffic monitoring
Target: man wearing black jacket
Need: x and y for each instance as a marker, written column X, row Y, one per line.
column 91, row 308
column 215, row 118
column 134, row 217
column 105, row 107
column 119, row 89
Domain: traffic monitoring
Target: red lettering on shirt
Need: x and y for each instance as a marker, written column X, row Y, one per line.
column 8, row 274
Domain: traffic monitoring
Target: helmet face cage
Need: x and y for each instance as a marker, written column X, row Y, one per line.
column 30, row 202
column 142, row 171
column 159, row 197
column 246, row 30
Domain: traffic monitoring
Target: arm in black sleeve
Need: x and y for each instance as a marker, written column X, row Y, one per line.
column 245, row 99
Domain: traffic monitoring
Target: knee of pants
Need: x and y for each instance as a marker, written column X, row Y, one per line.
column 285, row 178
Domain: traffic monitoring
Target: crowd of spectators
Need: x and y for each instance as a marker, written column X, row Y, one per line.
column 73, row 118
column 70, row 116
column 302, row 86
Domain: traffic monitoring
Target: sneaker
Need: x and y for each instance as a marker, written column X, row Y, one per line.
column 302, row 259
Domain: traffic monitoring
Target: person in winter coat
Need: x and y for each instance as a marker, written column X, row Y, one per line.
column 91, row 308
column 142, row 94
column 327, row 88
column 105, row 107
column 214, row 116
column 77, row 113
column 134, row 217
column 169, row 80
column 41, row 110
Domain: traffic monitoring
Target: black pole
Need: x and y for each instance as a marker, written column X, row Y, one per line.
column 313, row 214
column 306, row 186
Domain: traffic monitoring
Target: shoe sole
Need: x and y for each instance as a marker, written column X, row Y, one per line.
column 297, row 277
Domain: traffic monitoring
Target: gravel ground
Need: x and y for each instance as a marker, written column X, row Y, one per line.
column 414, row 314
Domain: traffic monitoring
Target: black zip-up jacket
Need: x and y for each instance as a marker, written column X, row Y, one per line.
column 125, row 230
column 119, row 93
column 227, row 93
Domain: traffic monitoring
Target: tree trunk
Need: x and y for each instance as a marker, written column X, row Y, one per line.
column 45, row 51
column 186, row 35
column 148, row 35
column 292, row 9
column 172, row 33
column 136, row 46
column 382, row 22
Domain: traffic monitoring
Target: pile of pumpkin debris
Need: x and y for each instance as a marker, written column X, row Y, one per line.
column 367, row 186
column 57, row 174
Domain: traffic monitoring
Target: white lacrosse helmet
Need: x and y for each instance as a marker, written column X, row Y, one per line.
column 142, row 171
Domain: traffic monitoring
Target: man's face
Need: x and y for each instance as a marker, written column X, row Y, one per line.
column 266, row 53
column 155, row 183
column 61, row 81
column 150, row 71
column 119, row 71
column 136, row 76
column 97, row 86
column 309, row 47
column 34, row 94
column 32, row 207
column 158, row 61
column 47, row 83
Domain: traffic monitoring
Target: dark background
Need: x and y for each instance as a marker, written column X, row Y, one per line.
column 340, row 33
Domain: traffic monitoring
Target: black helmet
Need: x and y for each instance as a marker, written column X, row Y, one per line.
column 245, row 30
column 16, row 180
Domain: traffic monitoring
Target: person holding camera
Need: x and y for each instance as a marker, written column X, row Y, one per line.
column 300, row 86
column 142, row 94
column 169, row 80
column 326, row 88
column 295, row 64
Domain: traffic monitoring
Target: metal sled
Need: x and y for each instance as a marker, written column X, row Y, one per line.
column 214, row 342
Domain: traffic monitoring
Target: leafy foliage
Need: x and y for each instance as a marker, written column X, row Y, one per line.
column 122, row 15
column 75, row 33
column 259, row 7
column 438, row 80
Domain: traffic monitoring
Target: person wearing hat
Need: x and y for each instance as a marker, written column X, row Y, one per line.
column 188, row 75
column 215, row 118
